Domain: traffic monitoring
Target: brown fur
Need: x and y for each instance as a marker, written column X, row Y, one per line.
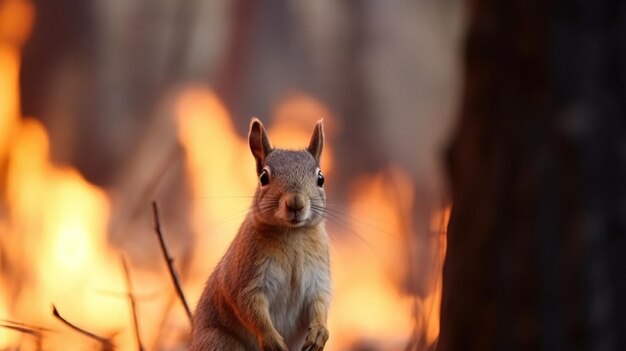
column 271, row 290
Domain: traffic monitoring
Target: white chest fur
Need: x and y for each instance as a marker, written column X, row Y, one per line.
column 291, row 282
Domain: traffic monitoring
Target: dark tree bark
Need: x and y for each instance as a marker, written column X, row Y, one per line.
column 536, row 241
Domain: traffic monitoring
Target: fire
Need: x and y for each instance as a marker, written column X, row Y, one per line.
column 219, row 171
column 16, row 18
column 367, row 302
column 15, row 22
column 57, row 243
column 52, row 223
column 64, row 204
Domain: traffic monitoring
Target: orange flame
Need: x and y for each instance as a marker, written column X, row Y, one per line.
column 367, row 301
column 54, row 230
column 218, row 168
column 16, row 19
column 58, row 240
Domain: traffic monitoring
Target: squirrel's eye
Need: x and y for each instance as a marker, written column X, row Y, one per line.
column 264, row 178
column 320, row 179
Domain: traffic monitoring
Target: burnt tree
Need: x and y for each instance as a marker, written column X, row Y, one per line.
column 536, row 251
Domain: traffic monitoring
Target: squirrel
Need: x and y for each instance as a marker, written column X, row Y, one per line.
column 271, row 290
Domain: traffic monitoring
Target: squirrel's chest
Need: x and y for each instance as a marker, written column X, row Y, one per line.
column 290, row 281
column 290, row 284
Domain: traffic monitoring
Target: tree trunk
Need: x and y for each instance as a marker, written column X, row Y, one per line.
column 536, row 250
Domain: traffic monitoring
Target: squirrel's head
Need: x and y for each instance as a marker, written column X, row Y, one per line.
column 290, row 191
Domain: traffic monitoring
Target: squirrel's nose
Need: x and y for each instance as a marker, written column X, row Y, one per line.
column 295, row 203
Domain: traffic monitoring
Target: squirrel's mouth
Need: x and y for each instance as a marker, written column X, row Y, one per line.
column 296, row 220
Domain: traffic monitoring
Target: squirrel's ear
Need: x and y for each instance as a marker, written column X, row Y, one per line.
column 317, row 141
column 259, row 143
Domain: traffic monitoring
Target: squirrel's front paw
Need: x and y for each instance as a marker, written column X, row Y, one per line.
column 316, row 339
column 274, row 344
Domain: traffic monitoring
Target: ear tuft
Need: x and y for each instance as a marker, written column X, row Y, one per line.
column 317, row 141
column 259, row 143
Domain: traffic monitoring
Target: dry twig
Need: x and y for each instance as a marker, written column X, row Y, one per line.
column 105, row 343
column 133, row 307
column 170, row 262
column 21, row 329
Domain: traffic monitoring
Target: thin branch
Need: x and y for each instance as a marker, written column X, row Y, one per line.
column 9, row 323
column 170, row 262
column 22, row 329
column 133, row 306
column 106, row 343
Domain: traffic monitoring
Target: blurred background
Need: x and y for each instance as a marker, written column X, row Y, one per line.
column 108, row 105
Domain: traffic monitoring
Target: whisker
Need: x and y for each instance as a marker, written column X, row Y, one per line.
column 365, row 224
column 270, row 203
column 346, row 228
column 358, row 202
column 222, row 197
column 366, row 214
